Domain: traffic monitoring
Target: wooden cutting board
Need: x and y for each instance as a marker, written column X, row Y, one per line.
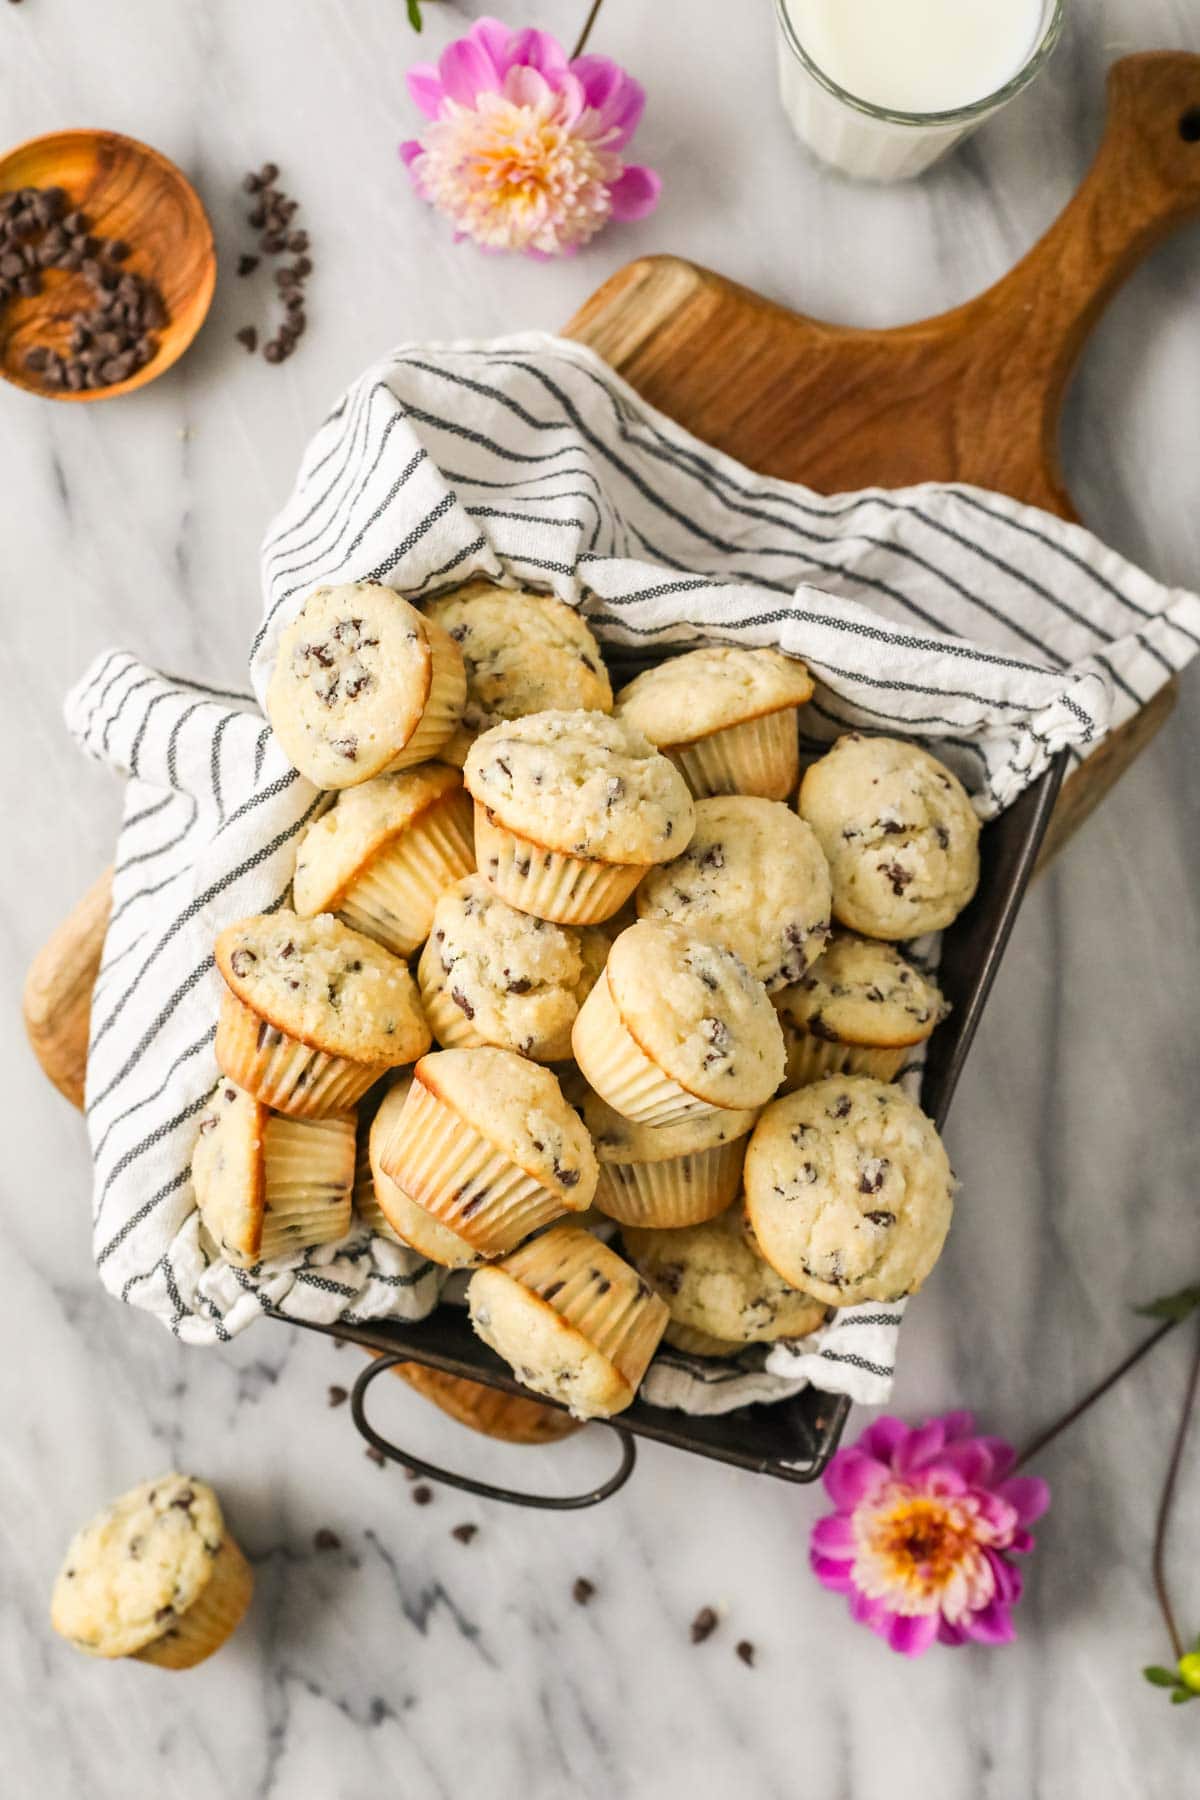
column 972, row 395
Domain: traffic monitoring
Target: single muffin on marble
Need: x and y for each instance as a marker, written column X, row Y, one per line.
column 572, row 1320
column 675, row 1029
column 486, row 1143
column 380, row 857
column 155, row 1576
column 524, row 652
column 899, row 833
column 849, row 1191
column 726, row 717
column 492, row 975
column 267, row 1185
column 754, row 878
column 383, row 1205
column 860, row 1010
column 363, row 683
column 721, row 1294
column 666, row 1175
column 313, row 1013
column 571, row 809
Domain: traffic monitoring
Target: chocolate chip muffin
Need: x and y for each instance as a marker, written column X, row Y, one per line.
column 676, row 1029
column 848, row 1190
column 380, row 857
column 383, row 1204
column 571, row 809
column 717, row 1285
column 492, row 975
column 486, row 1143
column 314, row 1013
column 666, row 1175
column 267, row 1185
column 362, row 683
column 725, row 716
column 155, row 1576
column 899, row 833
column 573, row 1322
column 524, row 653
column 860, row 1010
column 754, row 878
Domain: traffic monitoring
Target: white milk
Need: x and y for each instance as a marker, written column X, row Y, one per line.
column 912, row 56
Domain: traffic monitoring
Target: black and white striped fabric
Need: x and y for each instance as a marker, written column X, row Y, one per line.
column 993, row 632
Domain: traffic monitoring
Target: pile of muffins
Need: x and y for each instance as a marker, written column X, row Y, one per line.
column 614, row 917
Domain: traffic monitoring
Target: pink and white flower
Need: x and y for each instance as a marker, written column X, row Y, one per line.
column 926, row 1523
column 524, row 148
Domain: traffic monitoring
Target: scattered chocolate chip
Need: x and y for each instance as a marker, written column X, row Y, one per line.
column 324, row 1539
column 273, row 351
column 704, row 1624
column 268, row 173
column 338, row 1395
column 464, row 1533
column 247, row 264
column 422, row 1495
column 745, row 1650
column 376, row 1456
column 249, row 337
column 583, row 1590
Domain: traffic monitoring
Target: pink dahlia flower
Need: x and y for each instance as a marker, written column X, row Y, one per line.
column 524, row 149
column 926, row 1522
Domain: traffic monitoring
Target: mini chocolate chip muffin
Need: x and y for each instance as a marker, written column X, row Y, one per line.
column 717, row 1286
column 754, row 878
column 383, row 1205
column 267, row 1185
column 726, row 717
column 899, row 833
column 848, row 1190
column 524, row 653
column 666, row 1175
column 155, row 1576
column 492, row 975
column 572, row 1321
column 860, row 1010
column 571, row 809
column 380, row 857
column 486, row 1143
column 314, row 1013
column 362, row 683
column 675, row 1029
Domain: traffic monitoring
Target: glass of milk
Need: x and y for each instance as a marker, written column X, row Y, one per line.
column 880, row 89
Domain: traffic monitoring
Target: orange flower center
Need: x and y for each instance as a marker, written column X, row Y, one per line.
column 923, row 1552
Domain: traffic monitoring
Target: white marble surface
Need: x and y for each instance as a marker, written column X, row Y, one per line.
column 408, row 1663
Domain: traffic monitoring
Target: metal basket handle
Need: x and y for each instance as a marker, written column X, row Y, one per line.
column 468, row 1483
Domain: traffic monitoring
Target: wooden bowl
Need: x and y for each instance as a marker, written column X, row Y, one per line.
column 130, row 191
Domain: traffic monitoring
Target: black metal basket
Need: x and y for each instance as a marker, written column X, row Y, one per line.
column 790, row 1439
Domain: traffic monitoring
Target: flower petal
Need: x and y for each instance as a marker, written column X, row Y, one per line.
column 992, row 1625
column 425, row 87
column 866, row 1611
column 1028, row 1495
column 409, row 151
column 913, row 1634
column 467, row 70
column 921, row 1446
column 527, row 87
column 884, row 1437
column 539, row 50
column 833, row 1574
column 635, row 193
column 851, row 1475
column 615, row 97
column 958, row 1424
column 833, row 1535
column 494, row 38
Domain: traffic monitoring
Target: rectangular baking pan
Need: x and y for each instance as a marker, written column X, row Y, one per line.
column 792, row 1439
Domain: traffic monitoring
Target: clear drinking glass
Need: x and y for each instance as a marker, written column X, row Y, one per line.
column 877, row 143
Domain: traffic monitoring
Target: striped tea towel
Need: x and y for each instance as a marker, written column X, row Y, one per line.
column 959, row 618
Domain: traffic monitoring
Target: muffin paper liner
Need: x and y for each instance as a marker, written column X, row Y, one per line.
column 615, row 1064
column 211, row 1619
column 308, row 1174
column 444, row 705
column 569, row 890
column 590, row 1287
column 684, row 1190
column 458, row 1177
column 811, row 1059
column 393, row 899
column 385, row 1207
column 761, row 756
column 285, row 1074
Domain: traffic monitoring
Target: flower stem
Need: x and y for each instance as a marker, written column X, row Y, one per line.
column 586, row 33
column 1039, row 1443
column 1164, row 1505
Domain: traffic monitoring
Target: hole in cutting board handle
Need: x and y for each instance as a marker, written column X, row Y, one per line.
column 1189, row 125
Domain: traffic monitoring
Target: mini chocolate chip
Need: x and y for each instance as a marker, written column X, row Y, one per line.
column 246, row 264
column 376, row 1455
column 464, row 1533
column 881, row 1217
column 583, row 1590
column 248, row 337
column 422, row 1495
column 324, row 1539
column 704, row 1624
column 338, row 1395
column 745, row 1651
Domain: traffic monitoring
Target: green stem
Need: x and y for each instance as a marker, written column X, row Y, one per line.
column 1165, row 1504
column 1038, row 1444
column 586, row 33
